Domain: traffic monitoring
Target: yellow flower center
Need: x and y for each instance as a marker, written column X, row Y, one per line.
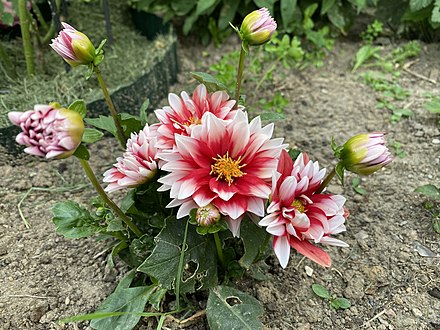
column 227, row 168
column 193, row 121
column 298, row 205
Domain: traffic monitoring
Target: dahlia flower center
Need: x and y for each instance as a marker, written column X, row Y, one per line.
column 193, row 121
column 227, row 168
column 297, row 204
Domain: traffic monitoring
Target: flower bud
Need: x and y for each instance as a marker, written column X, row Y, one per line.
column 73, row 46
column 207, row 215
column 48, row 131
column 365, row 153
column 257, row 27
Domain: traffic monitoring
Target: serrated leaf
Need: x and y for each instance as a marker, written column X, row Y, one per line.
column 130, row 123
column 105, row 123
column 163, row 262
column 211, row 83
column 253, row 238
column 72, row 221
column 91, row 135
column 79, row 106
column 429, row 190
column 229, row 308
column 364, row 54
column 123, row 300
column 115, row 224
column 340, row 303
column 321, row 291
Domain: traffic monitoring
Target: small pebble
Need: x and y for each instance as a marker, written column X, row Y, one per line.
column 435, row 141
column 417, row 312
column 309, row 271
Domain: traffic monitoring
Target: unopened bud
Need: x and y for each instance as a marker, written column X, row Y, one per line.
column 257, row 27
column 207, row 215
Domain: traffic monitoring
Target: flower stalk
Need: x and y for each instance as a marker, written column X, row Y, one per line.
column 26, row 36
column 326, row 181
column 239, row 77
column 111, row 106
column 91, row 176
column 218, row 246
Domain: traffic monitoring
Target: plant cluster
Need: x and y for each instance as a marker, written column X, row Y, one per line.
column 208, row 191
column 296, row 16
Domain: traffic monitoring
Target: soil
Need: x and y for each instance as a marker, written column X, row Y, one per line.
column 390, row 285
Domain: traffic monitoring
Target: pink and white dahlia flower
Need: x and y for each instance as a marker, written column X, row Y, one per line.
column 48, row 131
column 226, row 163
column 184, row 112
column 297, row 216
column 138, row 164
column 73, row 46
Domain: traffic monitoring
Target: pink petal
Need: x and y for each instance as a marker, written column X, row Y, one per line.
column 311, row 251
column 281, row 248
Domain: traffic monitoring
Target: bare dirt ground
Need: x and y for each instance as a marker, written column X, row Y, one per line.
column 45, row 277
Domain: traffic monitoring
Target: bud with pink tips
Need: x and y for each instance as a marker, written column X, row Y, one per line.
column 48, row 131
column 364, row 153
column 73, row 46
column 257, row 27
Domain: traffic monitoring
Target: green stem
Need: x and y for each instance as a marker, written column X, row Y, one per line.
column 26, row 36
column 326, row 181
column 106, row 199
column 218, row 245
column 6, row 62
column 111, row 106
column 40, row 18
column 180, row 267
column 239, row 77
column 49, row 34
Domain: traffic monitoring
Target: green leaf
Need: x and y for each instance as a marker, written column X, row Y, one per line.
column 105, row 123
column 337, row 18
column 340, row 303
column 435, row 16
column 253, row 237
column 204, row 5
column 7, row 19
column 272, row 116
column 287, row 11
column 143, row 112
column 416, row 5
column 294, row 153
column 211, row 83
column 115, row 224
column 72, row 221
column 265, row 3
column 81, row 152
column 130, row 123
column 436, row 225
column 326, row 5
column 91, row 135
column 433, row 106
column 229, row 308
column 80, row 107
column 364, row 54
column 429, row 190
column 131, row 300
column 321, row 291
column 227, row 14
column 200, row 258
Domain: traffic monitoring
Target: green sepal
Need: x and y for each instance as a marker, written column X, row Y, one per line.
column 245, row 47
column 336, row 149
column 98, row 59
column 236, row 29
column 99, row 53
column 90, row 70
column 192, row 217
column 81, row 152
column 340, row 171
column 79, row 106
column 221, row 225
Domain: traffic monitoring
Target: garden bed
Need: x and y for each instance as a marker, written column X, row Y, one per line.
column 135, row 69
column 389, row 284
